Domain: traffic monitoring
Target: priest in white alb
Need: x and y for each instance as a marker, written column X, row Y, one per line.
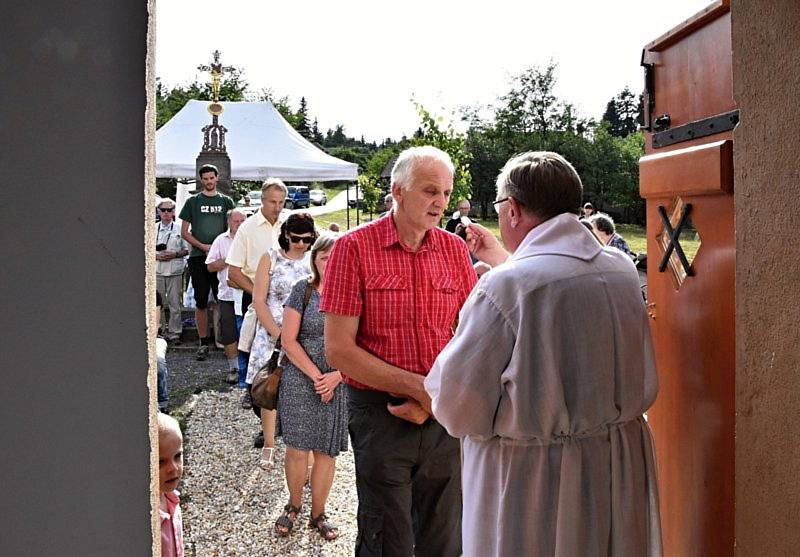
column 547, row 379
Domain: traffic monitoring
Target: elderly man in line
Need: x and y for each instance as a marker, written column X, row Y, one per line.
column 546, row 381
column 393, row 289
column 605, row 230
column 388, row 202
column 228, row 296
column 462, row 210
column 170, row 251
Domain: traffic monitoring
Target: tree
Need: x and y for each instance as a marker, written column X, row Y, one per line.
column 233, row 87
column 370, row 191
column 380, row 158
column 318, row 139
column 336, row 138
column 302, row 126
column 282, row 105
column 611, row 172
column 623, row 113
column 531, row 105
column 452, row 143
column 531, row 118
column 357, row 154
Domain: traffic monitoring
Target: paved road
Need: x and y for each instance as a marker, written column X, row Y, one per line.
column 338, row 203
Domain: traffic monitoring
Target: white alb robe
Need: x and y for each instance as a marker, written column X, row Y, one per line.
column 546, row 380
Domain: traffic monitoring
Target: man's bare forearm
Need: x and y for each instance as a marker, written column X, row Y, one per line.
column 186, row 235
column 242, row 281
column 360, row 365
column 216, row 266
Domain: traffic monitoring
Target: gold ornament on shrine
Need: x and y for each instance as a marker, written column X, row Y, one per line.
column 216, row 69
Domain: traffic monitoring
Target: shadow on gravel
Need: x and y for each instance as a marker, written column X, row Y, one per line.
column 187, row 376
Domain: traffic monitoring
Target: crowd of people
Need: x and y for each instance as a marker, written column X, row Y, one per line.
column 492, row 392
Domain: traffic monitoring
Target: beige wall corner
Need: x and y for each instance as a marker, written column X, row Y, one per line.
column 150, row 280
column 766, row 72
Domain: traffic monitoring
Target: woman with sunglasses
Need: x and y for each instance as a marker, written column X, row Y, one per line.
column 278, row 271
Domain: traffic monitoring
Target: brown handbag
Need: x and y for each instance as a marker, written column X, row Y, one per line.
column 264, row 390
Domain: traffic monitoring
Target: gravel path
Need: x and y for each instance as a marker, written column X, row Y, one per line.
column 187, row 376
column 229, row 504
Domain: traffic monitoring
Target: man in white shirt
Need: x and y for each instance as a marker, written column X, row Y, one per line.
column 256, row 236
column 227, row 296
column 170, row 263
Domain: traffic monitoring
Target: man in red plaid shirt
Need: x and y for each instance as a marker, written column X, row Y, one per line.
column 393, row 290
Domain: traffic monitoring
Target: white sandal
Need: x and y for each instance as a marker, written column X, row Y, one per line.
column 267, row 462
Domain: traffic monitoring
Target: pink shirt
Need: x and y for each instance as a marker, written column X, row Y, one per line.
column 172, row 527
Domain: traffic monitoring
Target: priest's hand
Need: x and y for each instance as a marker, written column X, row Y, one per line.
column 484, row 245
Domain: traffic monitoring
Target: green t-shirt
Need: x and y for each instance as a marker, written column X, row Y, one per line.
column 206, row 217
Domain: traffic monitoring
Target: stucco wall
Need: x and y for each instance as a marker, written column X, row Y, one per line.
column 74, row 358
column 766, row 70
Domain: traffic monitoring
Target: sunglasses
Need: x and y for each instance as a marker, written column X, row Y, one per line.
column 166, row 210
column 304, row 239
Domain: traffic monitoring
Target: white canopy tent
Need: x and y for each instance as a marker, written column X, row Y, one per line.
column 259, row 141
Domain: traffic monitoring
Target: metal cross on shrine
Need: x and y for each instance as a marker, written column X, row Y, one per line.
column 674, row 239
column 216, row 69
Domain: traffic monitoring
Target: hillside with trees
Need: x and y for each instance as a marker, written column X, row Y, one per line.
column 528, row 116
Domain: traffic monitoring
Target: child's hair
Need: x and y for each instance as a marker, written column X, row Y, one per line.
column 168, row 423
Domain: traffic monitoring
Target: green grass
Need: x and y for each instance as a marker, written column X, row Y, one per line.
column 340, row 217
column 330, row 191
column 637, row 240
column 634, row 235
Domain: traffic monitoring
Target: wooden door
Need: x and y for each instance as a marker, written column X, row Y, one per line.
column 687, row 175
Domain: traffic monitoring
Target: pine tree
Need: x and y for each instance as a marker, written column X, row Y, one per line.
column 318, row 138
column 301, row 119
column 623, row 113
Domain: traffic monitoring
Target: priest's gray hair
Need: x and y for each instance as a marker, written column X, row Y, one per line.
column 414, row 157
column 543, row 182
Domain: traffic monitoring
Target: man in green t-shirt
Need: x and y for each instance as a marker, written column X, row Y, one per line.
column 205, row 214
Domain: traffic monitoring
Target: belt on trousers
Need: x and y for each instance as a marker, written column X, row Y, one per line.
column 363, row 396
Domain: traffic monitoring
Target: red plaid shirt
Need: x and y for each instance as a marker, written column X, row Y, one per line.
column 407, row 300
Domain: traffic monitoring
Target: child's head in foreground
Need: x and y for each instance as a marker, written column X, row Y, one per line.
column 170, row 453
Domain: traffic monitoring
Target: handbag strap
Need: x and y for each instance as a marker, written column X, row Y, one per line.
column 306, row 299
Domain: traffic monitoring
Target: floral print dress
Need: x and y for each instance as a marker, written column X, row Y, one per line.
column 285, row 274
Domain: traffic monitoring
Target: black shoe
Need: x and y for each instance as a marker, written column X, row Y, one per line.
column 232, row 377
column 247, row 401
column 258, row 442
column 202, row 353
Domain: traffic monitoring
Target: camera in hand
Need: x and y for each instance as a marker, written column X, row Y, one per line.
column 461, row 229
column 161, row 247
